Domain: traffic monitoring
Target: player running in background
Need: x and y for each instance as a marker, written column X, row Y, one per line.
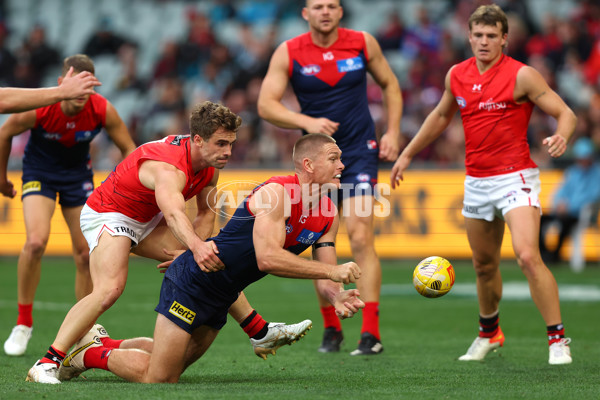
column 281, row 218
column 327, row 68
column 13, row 100
column 56, row 161
column 496, row 95
column 140, row 208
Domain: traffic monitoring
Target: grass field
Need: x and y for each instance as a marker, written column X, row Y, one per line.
column 422, row 339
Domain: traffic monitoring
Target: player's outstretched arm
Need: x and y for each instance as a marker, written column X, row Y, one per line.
column 14, row 125
column 433, row 126
column 206, row 200
column 268, row 204
column 14, row 100
column 346, row 302
column 167, row 183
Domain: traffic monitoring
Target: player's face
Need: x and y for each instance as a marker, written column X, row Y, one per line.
column 328, row 165
column 487, row 42
column 216, row 151
column 323, row 16
column 75, row 105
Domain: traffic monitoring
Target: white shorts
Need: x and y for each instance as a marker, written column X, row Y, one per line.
column 494, row 196
column 93, row 224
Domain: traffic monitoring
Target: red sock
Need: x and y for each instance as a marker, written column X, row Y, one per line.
column 25, row 317
column 97, row 357
column 111, row 343
column 555, row 333
column 488, row 327
column 371, row 318
column 53, row 356
column 330, row 318
column 253, row 324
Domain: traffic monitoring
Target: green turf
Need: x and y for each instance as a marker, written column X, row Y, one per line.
column 422, row 339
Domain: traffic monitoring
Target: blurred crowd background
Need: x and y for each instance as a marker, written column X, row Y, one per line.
column 156, row 58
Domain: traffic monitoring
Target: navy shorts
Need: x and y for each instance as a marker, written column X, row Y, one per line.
column 72, row 192
column 359, row 176
column 189, row 300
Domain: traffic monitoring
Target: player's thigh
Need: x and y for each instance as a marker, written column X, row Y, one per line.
column 169, row 351
column 202, row 338
column 485, row 239
column 37, row 213
column 524, row 226
column 358, row 214
column 160, row 238
column 71, row 215
column 109, row 262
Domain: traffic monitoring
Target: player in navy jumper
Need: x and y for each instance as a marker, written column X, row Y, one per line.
column 56, row 162
column 327, row 68
column 276, row 222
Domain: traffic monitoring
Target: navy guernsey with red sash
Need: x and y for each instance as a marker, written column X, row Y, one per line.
column 60, row 144
column 236, row 248
column 332, row 83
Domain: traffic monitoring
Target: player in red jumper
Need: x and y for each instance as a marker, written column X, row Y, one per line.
column 495, row 95
column 56, row 161
column 327, row 68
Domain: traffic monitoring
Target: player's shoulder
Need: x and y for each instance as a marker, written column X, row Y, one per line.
column 297, row 42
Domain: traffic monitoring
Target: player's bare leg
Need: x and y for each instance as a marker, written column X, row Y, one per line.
column 524, row 225
column 109, row 268
column 485, row 239
column 358, row 214
column 81, row 256
column 37, row 212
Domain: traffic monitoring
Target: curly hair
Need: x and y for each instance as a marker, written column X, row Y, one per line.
column 207, row 117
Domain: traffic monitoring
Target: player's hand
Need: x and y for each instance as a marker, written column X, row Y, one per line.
column 397, row 170
column 205, row 256
column 345, row 273
column 557, row 145
column 389, row 147
column 74, row 86
column 347, row 303
column 162, row 267
column 7, row 189
column 322, row 125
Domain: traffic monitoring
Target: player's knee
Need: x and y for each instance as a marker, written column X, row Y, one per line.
column 82, row 261
column 108, row 296
column 529, row 261
column 35, row 246
column 361, row 239
column 485, row 269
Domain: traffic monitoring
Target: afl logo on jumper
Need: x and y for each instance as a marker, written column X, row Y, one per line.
column 310, row 70
column 462, row 103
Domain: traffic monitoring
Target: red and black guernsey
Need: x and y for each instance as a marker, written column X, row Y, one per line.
column 236, row 246
column 123, row 192
column 60, row 144
column 332, row 83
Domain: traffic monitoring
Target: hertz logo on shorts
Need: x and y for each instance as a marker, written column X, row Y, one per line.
column 33, row 186
column 183, row 313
